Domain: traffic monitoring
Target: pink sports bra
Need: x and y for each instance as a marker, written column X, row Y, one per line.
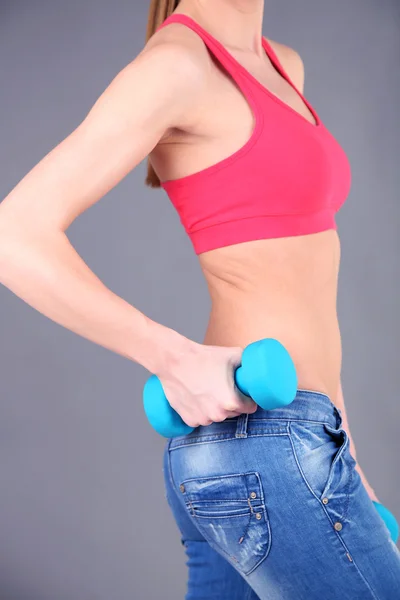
column 289, row 179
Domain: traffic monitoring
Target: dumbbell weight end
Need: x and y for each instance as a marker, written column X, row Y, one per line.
column 267, row 374
column 162, row 417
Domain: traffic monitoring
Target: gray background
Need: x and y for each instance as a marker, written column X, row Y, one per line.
column 82, row 509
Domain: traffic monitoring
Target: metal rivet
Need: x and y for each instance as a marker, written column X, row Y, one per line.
column 182, row 488
column 338, row 526
column 253, row 495
column 325, row 500
column 258, row 516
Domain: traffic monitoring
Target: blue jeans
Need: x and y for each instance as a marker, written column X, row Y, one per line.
column 270, row 507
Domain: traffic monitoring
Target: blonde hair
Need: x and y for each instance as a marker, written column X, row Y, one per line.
column 158, row 12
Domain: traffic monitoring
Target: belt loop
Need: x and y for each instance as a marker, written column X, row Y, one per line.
column 241, row 426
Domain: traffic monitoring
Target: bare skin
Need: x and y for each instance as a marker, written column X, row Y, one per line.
column 283, row 288
column 163, row 105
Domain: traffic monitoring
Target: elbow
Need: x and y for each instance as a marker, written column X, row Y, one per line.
column 13, row 237
column 6, row 236
column 22, row 238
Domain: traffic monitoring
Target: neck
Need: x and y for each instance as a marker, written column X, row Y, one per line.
column 237, row 24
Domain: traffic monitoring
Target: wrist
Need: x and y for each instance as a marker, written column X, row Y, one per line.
column 163, row 348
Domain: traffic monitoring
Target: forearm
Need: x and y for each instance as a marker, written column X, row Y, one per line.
column 45, row 271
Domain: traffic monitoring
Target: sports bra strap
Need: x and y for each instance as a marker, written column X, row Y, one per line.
column 218, row 50
column 278, row 65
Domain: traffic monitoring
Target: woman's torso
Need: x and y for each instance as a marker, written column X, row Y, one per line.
column 284, row 288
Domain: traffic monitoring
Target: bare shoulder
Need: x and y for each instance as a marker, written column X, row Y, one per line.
column 184, row 47
column 181, row 55
column 291, row 62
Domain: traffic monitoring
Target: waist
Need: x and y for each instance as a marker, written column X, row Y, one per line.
column 285, row 289
column 309, row 330
column 308, row 405
column 239, row 318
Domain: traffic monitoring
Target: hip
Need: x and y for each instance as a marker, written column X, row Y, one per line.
column 276, row 493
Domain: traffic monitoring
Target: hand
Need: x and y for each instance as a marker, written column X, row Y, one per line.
column 199, row 384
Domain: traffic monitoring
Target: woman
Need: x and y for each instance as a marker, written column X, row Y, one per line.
column 270, row 504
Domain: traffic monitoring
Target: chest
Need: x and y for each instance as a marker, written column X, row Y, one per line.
column 221, row 122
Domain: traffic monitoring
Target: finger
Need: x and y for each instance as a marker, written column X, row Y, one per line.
column 249, row 406
column 246, row 404
column 233, row 413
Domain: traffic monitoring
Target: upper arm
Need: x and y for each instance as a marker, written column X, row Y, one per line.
column 291, row 62
column 151, row 94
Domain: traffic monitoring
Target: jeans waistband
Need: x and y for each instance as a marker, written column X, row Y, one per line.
column 308, row 405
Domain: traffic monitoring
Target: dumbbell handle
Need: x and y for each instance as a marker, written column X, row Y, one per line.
column 240, row 381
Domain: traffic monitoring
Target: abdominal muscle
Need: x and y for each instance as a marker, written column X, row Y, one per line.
column 283, row 288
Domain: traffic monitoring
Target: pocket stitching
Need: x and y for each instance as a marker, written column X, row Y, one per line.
column 266, row 520
column 260, row 507
column 212, row 516
column 211, row 477
column 299, row 466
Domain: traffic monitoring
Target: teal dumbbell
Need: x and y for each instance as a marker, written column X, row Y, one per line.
column 390, row 520
column 267, row 375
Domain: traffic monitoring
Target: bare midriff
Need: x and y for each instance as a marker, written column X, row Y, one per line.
column 283, row 288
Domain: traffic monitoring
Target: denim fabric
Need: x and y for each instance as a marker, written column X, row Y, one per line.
column 270, row 507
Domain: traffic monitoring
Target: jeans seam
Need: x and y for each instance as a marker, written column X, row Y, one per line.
column 185, row 441
column 303, row 477
column 224, row 516
column 266, row 518
column 228, row 439
column 329, row 517
column 346, row 509
column 291, row 419
column 227, row 500
column 264, row 509
column 374, row 596
column 169, row 469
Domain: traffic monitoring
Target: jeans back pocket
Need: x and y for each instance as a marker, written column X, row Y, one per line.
column 230, row 512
